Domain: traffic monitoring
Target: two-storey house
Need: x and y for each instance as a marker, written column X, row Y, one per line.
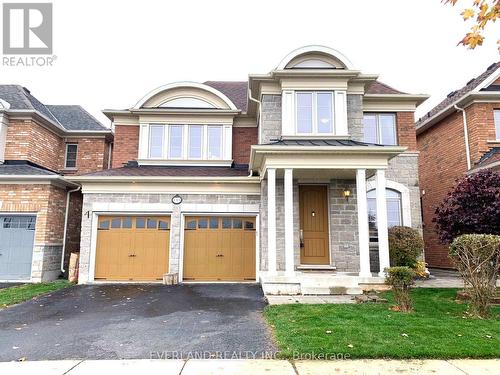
column 290, row 179
column 458, row 136
column 40, row 210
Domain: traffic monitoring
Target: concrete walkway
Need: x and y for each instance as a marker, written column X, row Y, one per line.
column 253, row 367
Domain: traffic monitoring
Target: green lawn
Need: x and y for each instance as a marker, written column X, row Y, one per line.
column 436, row 329
column 20, row 293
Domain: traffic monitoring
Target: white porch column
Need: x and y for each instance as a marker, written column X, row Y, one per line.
column 383, row 241
column 271, row 221
column 288, row 197
column 364, row 238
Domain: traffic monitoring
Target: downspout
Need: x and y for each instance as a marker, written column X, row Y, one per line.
column 259, row 104
column 68, row 194
column 466, row 135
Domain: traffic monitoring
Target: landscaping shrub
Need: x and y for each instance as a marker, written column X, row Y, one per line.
column 473, row 206
column 405, row 246
column 401, row 280
column 477, row 258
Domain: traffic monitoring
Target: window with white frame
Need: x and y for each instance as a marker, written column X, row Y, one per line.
column 175, row 142
column 314, row 112
column 195, row 141
column 156, row 137
column 496, row 116
column 394, row 210
column 185, row 142
column 380, row 128
column 215, row 142
column 71, row 155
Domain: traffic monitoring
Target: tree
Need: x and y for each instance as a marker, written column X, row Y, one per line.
column 473, row 206
column 482, row 12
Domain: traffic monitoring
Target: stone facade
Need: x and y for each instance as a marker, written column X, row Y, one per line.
column 214, row 203
column 355, row 116
column 271, row 118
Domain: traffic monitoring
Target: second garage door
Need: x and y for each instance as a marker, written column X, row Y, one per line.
column 219, row 248
column 132, row 248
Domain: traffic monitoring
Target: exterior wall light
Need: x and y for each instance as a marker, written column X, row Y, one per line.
column 347, row 194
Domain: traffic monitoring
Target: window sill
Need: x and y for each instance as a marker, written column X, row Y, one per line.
column 181, row 162
column 494, row 142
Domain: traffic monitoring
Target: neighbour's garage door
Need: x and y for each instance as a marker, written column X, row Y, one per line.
column 17, row 234
column 219, row 248
column 132, row 247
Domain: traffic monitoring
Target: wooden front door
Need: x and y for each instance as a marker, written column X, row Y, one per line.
column 219, row 248
column 313, row 202
column 132, row 248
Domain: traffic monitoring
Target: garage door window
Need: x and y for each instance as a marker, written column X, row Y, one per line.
column 104, row 225
column 19, row 222
column 162, row 225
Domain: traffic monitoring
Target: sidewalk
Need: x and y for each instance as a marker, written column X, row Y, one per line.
column 253, row 367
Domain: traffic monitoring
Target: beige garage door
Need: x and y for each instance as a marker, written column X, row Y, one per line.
column 132, row 247
column 219, row 248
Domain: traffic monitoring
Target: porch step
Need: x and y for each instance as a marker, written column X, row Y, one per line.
column 332, row 290
column 316, row 267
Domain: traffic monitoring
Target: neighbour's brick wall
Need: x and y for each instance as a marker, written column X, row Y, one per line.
column 405, row 122
column 481, row 127
column 48, row 202
column 126, row 145
column 28, row 140
column 91, row 155
column 243, row 139
column 443, row 160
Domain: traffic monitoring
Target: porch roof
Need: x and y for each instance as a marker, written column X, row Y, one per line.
column 300, row 153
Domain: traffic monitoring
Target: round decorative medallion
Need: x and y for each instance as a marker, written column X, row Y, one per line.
column 176, row 199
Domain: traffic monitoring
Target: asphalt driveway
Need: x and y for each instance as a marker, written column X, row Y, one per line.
column 137, row 321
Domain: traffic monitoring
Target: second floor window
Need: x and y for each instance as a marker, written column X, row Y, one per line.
column 186, row 142
column 496, row 116
column 380, row 128
column 314, row 112
column 71, row 154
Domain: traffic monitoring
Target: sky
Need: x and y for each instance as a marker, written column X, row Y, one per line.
column 110, row 53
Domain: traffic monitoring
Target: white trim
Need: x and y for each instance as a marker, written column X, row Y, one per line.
column 363, row 230
column 271, row 221
column 315, row 48
column 488, row 81
column 383, row 240
column 4, row 104
column 174, row 85
column 289, row 229
column 405, row 198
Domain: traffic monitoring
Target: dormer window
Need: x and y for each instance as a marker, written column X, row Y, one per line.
column 314, row 112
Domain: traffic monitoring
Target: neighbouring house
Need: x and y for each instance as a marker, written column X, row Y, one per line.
column 40, row 145
column 290, row 179
column 458, row 136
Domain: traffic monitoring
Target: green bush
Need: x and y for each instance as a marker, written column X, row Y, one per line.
column 401, row 280
column 405, row 246
column 477, row 258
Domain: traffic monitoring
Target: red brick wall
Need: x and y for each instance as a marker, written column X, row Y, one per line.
column 27, row 140
column 126, row 145
column 405, row 123
column 91, row 155
column 243, row 139
column 442, row 160
column 47, row 201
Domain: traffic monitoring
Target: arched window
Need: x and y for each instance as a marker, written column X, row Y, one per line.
column 394, row 211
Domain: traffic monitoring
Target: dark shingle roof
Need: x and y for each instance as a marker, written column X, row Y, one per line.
column 378, row 87
column 173, row 171
column 24, row 168
column 320, row 142
column 74, row 117
column 70, row 117
column 492, row 156
column 236, row 91
column 460, row 93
